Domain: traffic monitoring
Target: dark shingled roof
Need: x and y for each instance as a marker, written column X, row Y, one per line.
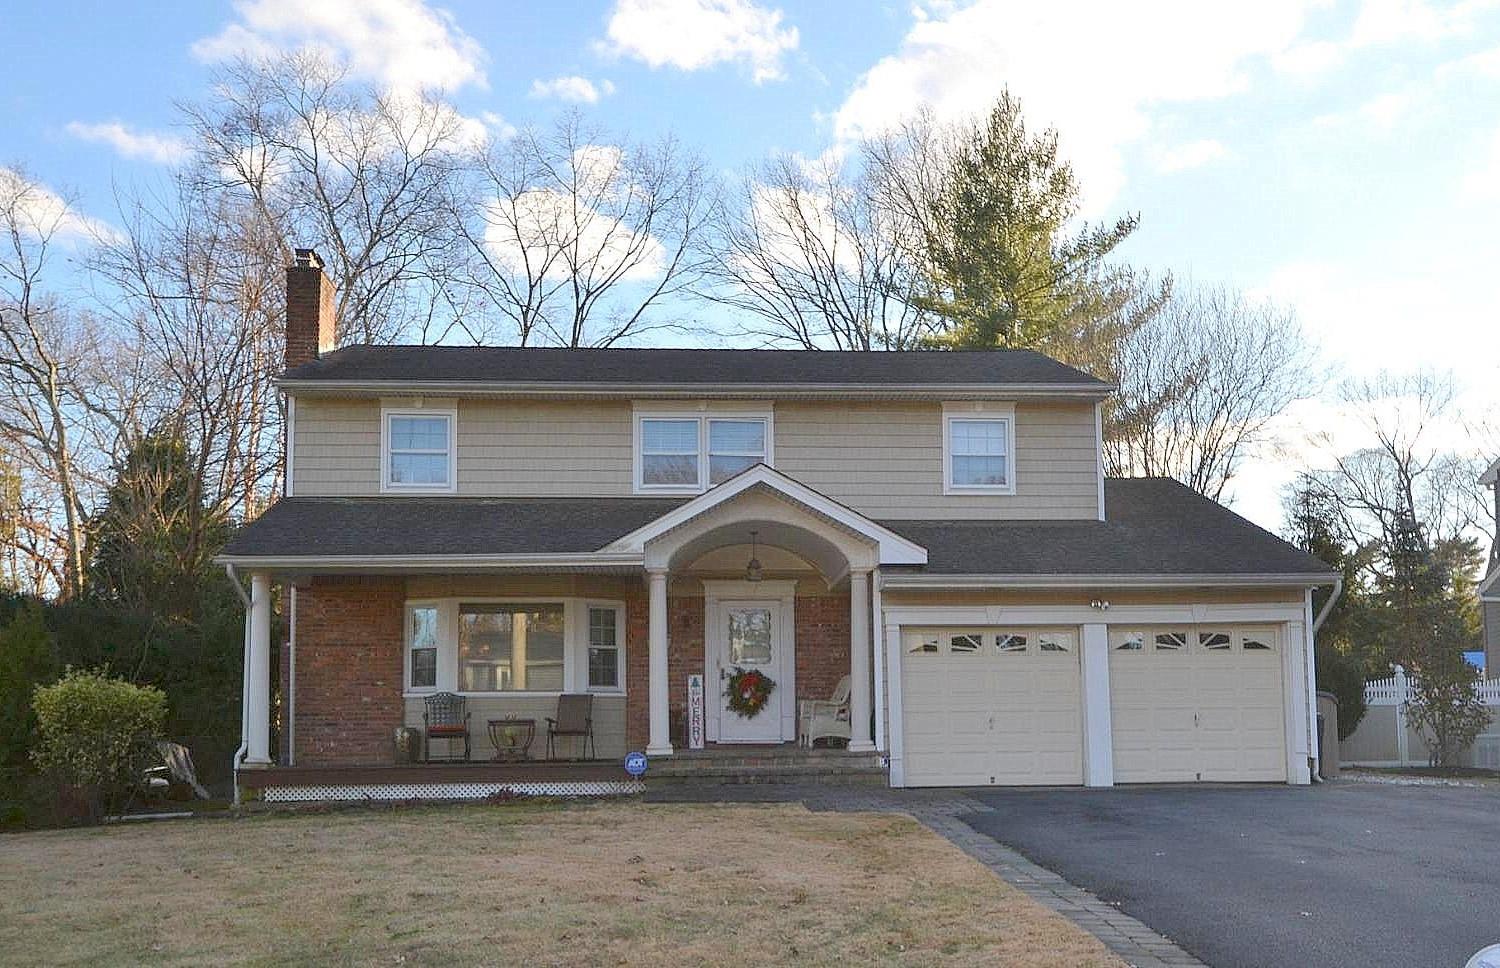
column 536, row 365
column 1155, row 527
column 362, row 526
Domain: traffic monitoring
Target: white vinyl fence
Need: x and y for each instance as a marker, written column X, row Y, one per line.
column 1386, row 737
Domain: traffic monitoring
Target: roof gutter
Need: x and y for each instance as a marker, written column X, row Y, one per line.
column 1090, row 391
column 897, row 580
column 1338, row 589
column 434, row 562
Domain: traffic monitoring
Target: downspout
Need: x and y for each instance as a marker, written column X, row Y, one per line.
column 239, row 754
column 1315, row 752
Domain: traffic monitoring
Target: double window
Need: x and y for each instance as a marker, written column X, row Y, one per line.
column 477, row 647
column 688, row 453
column 418, row 452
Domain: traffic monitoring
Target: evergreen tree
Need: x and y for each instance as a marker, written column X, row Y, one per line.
column 1003, row 268
column 27, row 659
column 153, row 542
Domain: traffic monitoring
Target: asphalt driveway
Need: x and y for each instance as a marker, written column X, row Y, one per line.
column 1252, row 877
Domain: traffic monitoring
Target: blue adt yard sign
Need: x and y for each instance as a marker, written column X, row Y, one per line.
column 635, row 764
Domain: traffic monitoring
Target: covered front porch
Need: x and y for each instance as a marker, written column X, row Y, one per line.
column 757, row 579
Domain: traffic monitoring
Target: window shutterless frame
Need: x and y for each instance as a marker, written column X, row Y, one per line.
column 589, row 645
column 430, row 624
column 575, row 644
column 716, row 437
column 999, row 418
column 450, row 418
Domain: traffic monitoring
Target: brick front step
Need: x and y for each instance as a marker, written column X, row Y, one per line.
column 767, row 765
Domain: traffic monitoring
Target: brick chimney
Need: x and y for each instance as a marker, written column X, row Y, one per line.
column 310, row 318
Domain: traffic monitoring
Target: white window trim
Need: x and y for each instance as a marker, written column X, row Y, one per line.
column 406, row 683
column 618, row 689
column 703, row 417
column 1000, row 412
column 386, row 414
column 575, row 645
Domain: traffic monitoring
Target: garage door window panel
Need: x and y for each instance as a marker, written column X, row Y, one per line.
column 1171, row 641
column 1057, row 643
column 923, row 645
column 1131, row 641
column 1259, row 640
column 969, row 643
column 1215, row 641
column 1011, row 644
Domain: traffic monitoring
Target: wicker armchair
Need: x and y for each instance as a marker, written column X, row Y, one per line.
column 446, row 717
column 575, row 717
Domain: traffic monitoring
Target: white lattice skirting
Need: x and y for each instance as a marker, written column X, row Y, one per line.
column 451, row 791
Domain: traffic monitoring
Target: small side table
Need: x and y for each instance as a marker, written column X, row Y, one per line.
column 512, row 739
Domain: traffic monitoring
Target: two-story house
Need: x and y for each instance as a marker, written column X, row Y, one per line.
column 511, row 525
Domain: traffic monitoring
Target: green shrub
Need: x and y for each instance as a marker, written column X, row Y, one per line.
column 95, row 736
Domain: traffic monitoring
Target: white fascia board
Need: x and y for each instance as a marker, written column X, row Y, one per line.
column 894, row 549
column 1487, row 588
column 982, row 391
column 1491, row 475
column 1096, row 581
column 383, row 563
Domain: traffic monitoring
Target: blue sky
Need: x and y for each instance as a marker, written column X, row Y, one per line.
column 1341, row 157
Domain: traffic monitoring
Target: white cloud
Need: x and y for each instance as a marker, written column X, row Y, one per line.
column 41, row 213
column 1482, row 180
column 530, row 232
column 1192, row 154
column 163, row 149
column 579, row 90
column 403, row 44
column 1380, row 114
column 1096, row 86
column 693, row 34
column 1382, row 23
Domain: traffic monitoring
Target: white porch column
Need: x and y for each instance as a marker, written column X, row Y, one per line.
column 660, row 741
column 859, row 662
column 1098, row 740
column 258, row 689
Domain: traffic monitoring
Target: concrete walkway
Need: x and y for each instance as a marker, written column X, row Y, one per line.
column 947, row 812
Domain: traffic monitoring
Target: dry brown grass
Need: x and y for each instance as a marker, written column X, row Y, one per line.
column 604, row 884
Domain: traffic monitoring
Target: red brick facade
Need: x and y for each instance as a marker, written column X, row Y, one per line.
column 350, row 652
column 349, row 655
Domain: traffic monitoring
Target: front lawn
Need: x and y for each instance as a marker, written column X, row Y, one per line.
column 599, row 884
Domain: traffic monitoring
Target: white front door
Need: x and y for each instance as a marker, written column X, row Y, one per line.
column 750, row 638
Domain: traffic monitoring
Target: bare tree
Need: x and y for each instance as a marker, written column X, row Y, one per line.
column 197, row 278
column 363, row 175
column 578, row 239
column 46, row 352
column 811, row 255
column 1200, row 381
column 1407, row 474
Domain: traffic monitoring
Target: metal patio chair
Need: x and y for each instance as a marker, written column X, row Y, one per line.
column 575, row 717
column 446, row 717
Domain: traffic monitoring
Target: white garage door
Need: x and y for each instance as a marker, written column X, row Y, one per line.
column 1197, row 703
column 991, row 706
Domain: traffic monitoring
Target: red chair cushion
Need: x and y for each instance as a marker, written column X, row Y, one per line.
column 458, row 730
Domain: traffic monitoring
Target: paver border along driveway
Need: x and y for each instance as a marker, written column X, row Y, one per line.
column 1257, row 877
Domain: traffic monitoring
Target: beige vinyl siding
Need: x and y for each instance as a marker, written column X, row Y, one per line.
column 884, row 460
column 336, row 448
column 544, row 449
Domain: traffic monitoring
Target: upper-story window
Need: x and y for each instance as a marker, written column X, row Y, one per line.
column 689, row 453
column 418, row 452
column 979, row 452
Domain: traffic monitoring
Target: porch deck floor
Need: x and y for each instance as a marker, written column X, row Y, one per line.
column 530, row 771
